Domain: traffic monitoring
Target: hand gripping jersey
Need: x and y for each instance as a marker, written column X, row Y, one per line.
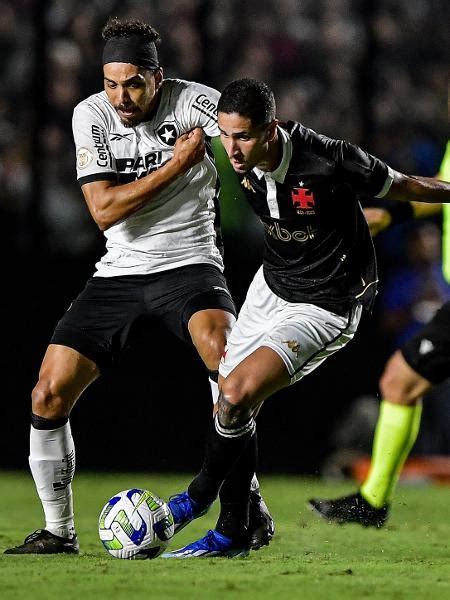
column 318, row 247
column 176, row 227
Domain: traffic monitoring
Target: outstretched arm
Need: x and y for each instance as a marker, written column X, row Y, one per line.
column 412, row 188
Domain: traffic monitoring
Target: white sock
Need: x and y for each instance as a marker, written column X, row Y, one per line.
column 254, row 485
column 52, row 464
column 214, row 390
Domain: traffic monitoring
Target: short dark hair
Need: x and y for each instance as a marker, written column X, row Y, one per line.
column 249, row 98
column 117, row 28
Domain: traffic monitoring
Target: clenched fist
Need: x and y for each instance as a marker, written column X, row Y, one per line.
column 189, row 149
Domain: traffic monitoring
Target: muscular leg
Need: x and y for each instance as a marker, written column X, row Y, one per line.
column 242, row 392
column 209, row 330
column 63, row 376
column 398, row 424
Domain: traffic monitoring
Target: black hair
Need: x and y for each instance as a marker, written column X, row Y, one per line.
column 249, row 98
column 116, row 28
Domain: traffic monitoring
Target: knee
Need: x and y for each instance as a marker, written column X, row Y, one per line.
column 396, row 384
column 47, row 399
column 235, row 404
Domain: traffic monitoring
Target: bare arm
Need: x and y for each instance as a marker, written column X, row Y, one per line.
column 108, row 203
column 411, row 188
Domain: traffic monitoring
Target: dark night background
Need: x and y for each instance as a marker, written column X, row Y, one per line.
column 373, row 73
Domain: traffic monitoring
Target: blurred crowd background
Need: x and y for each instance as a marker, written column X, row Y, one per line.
column 374, row 73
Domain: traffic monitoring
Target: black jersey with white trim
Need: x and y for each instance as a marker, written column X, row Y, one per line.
column 318, row 248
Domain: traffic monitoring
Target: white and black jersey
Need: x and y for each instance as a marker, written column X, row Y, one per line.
column 318, row 248
column 177, row 227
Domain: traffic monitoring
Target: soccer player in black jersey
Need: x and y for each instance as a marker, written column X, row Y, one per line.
column 305, row 302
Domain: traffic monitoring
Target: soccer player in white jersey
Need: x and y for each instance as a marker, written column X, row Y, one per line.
column 151, row 188
column 305, row 301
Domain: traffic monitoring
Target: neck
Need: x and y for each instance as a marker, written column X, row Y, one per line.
column 273, row 155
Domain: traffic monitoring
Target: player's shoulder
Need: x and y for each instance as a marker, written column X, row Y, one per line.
column 299, row 133
column 191, row 91
column 96, row 103
column 308, row 140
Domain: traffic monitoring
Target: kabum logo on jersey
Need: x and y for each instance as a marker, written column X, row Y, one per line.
column 303, row 200
column 167, row 133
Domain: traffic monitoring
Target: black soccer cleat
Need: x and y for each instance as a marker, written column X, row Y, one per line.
column 350, row 509
column 42, row 541
column 261, row 527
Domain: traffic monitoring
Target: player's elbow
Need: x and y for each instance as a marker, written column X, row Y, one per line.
column 102, row 213
column 100, row 199
column 102, row 218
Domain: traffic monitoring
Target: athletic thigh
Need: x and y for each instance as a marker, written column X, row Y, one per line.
column 428, row 352
column 303, row 335
column 183, row 292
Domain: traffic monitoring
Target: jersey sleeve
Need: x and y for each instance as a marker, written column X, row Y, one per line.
column 95, row 161
column 365, row 173
column 199, row 108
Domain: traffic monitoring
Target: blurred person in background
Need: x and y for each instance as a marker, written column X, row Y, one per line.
column 422, row 362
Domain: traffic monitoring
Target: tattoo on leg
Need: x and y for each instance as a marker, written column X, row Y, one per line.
column 231, row 415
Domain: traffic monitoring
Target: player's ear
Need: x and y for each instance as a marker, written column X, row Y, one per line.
column 271, row 130
column 158, row 75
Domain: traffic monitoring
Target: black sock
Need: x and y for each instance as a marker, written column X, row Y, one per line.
column 233, row 520
column 236, row 487
column 235, row 493
column 224, row 447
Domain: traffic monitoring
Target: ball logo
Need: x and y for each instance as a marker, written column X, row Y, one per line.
column 84, row 157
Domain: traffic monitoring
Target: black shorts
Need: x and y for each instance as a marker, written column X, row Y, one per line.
column 98, row 322
column 428, row 352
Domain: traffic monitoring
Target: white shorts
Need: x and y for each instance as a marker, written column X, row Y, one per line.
column 302, row 334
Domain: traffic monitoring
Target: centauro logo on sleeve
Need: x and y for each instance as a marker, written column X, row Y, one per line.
column 101, row 146
column 206, row 106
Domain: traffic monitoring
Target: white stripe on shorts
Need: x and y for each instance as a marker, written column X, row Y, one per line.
column 302, row 334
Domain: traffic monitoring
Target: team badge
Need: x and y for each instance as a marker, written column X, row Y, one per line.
column 84, row 157
column 303, row 200
column 167, row 133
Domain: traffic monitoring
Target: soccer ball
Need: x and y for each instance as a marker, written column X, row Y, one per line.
column 135, row 524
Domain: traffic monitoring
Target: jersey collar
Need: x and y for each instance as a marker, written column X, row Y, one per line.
column 279, row 173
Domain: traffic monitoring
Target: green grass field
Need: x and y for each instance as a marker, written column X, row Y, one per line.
column 308, row 558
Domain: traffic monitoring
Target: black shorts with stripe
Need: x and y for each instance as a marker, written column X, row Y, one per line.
column 428, row 352
column 98, row 322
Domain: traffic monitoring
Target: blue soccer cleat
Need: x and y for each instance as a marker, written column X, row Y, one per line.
column 214, row 544
column 185, row 510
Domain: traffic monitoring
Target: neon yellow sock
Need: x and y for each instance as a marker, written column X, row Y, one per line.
column 395, row 434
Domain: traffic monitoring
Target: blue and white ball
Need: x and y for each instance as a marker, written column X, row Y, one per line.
column 135, row 524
